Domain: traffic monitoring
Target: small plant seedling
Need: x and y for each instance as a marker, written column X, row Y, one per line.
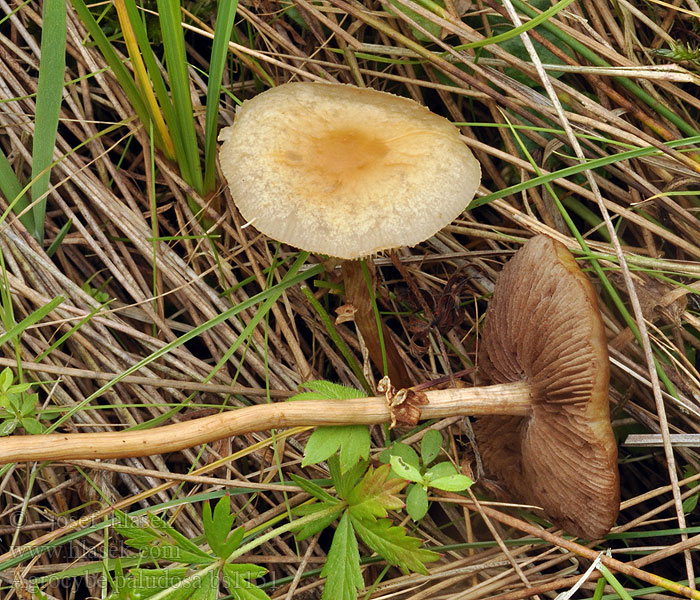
column 18, row 404
column 364, row 497
column 198, row 577
column 406, row 463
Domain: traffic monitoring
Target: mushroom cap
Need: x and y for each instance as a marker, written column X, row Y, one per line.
column 543, row 325
column 345, row 171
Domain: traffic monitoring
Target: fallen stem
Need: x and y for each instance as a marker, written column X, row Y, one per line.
column 502, row 399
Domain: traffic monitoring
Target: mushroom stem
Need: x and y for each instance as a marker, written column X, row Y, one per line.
column 502, row 399
column 357, row 294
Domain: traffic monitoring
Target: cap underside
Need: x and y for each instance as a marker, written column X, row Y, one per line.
column 543, row 325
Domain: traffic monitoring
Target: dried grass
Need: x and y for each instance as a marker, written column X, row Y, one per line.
column 103, row 182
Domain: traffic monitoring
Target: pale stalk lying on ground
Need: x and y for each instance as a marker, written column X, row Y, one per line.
column 503, row 399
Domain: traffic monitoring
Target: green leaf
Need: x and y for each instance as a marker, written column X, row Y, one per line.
column 29, row 402
column 430, row 446
column 690, row 503
column 319, row 524
column 225, row 14
column 452, row 483
column 443, row 469
column 236, row 578
column 405, row 471
column 207, row 587
column 344, row 481
column 311, row 488
column 394, row 545
column 352, row 440
column 143, row 583
column 327, row 390
column 7, row 427
column 342, row 568
column 417, row 502
column 171, row 536
column 217, row 528
column 32, row 426
column 404, row 451
column 6, row 378
column 52, row 68
column 375, row 494
column 19, row 388
column 183, row 134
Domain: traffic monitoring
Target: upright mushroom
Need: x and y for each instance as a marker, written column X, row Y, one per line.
column 553, row 445
column 543, row 326
column 347, row 172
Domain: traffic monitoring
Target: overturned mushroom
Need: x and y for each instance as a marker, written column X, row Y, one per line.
column 347, row 172
column 543, row 326
column 543, row 342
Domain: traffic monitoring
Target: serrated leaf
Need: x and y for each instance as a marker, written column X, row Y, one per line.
column 174, row 537
column 352, row 440
column 394, row 545
column 342, row 568
column 207, row 588
column 405, row 471
column 237, row 579
column 318, row 524
column 217, row 528
column 452, row 483
column 417, row 502
column 430, row 446
column 375, row 494
column 344, row 481
column 330, row 390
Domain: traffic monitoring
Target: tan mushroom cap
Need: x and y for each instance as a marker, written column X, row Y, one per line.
column 345, row 171
column 543, row 325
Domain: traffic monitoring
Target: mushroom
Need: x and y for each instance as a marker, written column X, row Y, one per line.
column 543, row 326
column 347, row 172
column 544, row 432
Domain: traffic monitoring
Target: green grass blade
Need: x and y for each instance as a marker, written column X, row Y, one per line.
column 217, row 62
column 125, row 79
column 153, row 73
column 30, row 320
column 11, row 188
column 52, row 66
column 184, row 136
column 626, row 82
column 574, row 169
column 516, row 31
column 290, row 279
